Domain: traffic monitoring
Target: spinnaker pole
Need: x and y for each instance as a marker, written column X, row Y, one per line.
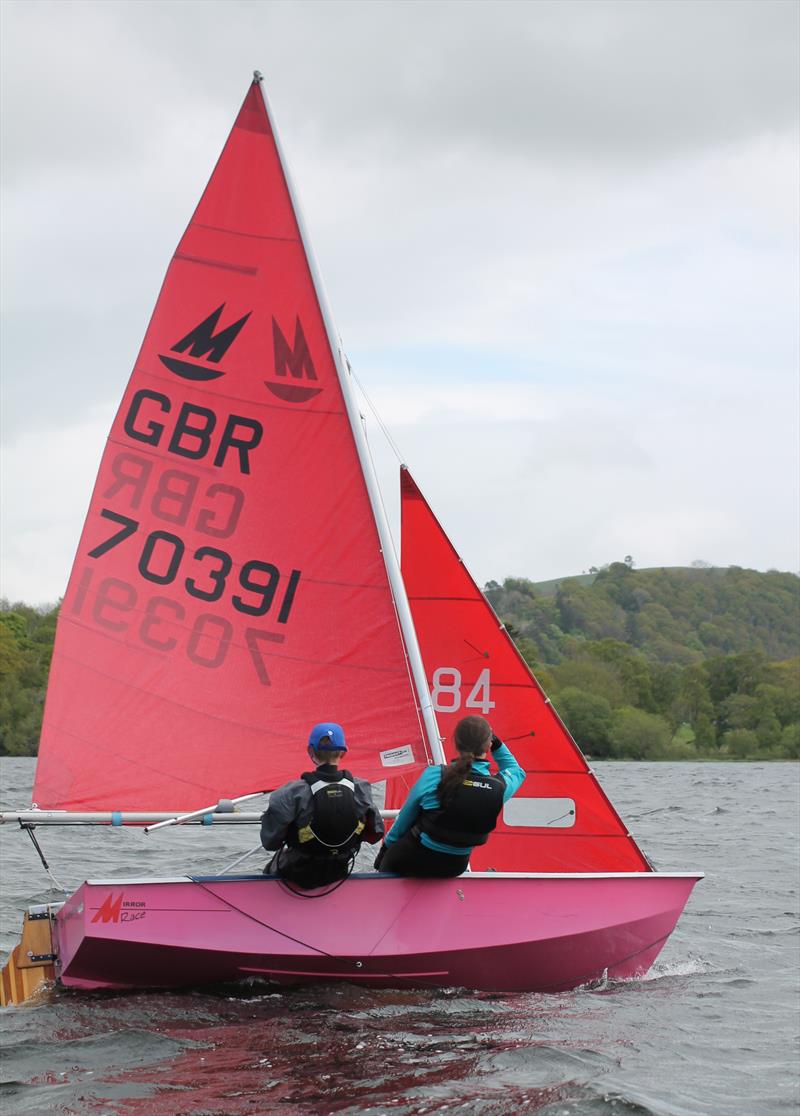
column 354, row 415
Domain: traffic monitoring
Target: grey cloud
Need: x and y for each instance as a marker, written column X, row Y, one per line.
column 591, row 80
column 595, row 81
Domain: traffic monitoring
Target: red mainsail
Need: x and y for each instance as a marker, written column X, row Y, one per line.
column 229, row 589
column 560, row 820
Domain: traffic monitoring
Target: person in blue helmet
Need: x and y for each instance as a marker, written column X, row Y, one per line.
column 451, row 809
column 316, row 824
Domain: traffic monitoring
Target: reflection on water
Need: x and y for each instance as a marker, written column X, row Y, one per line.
column 319, row 1050
column 708, row 1031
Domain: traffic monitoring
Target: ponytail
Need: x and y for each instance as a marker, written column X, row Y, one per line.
column 453, row 776
column 472, row 738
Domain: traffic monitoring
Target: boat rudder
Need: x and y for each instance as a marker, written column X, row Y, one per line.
column 31, row 963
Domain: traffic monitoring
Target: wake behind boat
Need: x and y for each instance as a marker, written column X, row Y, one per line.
column 236, row 581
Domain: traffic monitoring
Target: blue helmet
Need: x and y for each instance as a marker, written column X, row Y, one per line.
column 327, row 737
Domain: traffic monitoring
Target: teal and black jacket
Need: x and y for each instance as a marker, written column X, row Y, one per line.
column 423, row 797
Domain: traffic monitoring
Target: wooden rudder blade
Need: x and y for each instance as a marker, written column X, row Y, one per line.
column 31, row 963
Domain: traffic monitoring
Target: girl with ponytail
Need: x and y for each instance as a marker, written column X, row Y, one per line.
column 472, row 738
column 450, row 810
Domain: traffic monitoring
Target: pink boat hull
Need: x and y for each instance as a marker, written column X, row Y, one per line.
column 484, row 931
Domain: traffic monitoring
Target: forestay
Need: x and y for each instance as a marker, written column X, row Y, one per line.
column 229, row 588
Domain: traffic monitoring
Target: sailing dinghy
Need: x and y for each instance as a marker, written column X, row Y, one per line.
column 236, row 582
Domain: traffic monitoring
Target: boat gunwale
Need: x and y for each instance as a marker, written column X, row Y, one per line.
column 201, row 879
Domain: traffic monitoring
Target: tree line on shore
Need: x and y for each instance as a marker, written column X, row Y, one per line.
column 640, row 664
column 666, row 663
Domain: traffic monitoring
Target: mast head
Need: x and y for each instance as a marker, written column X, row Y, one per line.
column 258, row 77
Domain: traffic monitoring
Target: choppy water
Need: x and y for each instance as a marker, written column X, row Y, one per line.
column 712, row 1030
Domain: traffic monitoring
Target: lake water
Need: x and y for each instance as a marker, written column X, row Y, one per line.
column 712, row 1030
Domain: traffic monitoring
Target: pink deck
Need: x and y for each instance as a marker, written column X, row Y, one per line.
column 486, row 931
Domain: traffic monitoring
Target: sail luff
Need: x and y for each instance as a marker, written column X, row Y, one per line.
column 399, row 595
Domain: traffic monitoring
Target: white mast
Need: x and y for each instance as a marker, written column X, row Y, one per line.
column 354, row 415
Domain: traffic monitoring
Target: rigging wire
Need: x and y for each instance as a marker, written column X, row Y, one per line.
column 239, row 859
column 380, row 490
column 29, row 830
column 401, row 461
column 378, row 419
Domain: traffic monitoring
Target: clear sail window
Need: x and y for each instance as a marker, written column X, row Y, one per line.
column 540, row 813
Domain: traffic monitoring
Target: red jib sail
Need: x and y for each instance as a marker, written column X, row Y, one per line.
column 560, row 820
column 229, row 589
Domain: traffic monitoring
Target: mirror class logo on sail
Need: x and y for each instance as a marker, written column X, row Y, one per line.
column 153, row 501
column 203, row 342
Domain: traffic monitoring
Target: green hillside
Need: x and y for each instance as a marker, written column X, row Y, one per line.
column 671, row 615
column 656, row 664
column 665, row 663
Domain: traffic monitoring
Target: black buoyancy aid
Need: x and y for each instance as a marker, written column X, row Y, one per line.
column 469, row 815
column 336, row 824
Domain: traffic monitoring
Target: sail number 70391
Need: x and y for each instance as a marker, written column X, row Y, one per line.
column 447, row 686
column 162, row 556
column 207, row 574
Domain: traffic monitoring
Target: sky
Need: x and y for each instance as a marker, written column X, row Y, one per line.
column 560, row 241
